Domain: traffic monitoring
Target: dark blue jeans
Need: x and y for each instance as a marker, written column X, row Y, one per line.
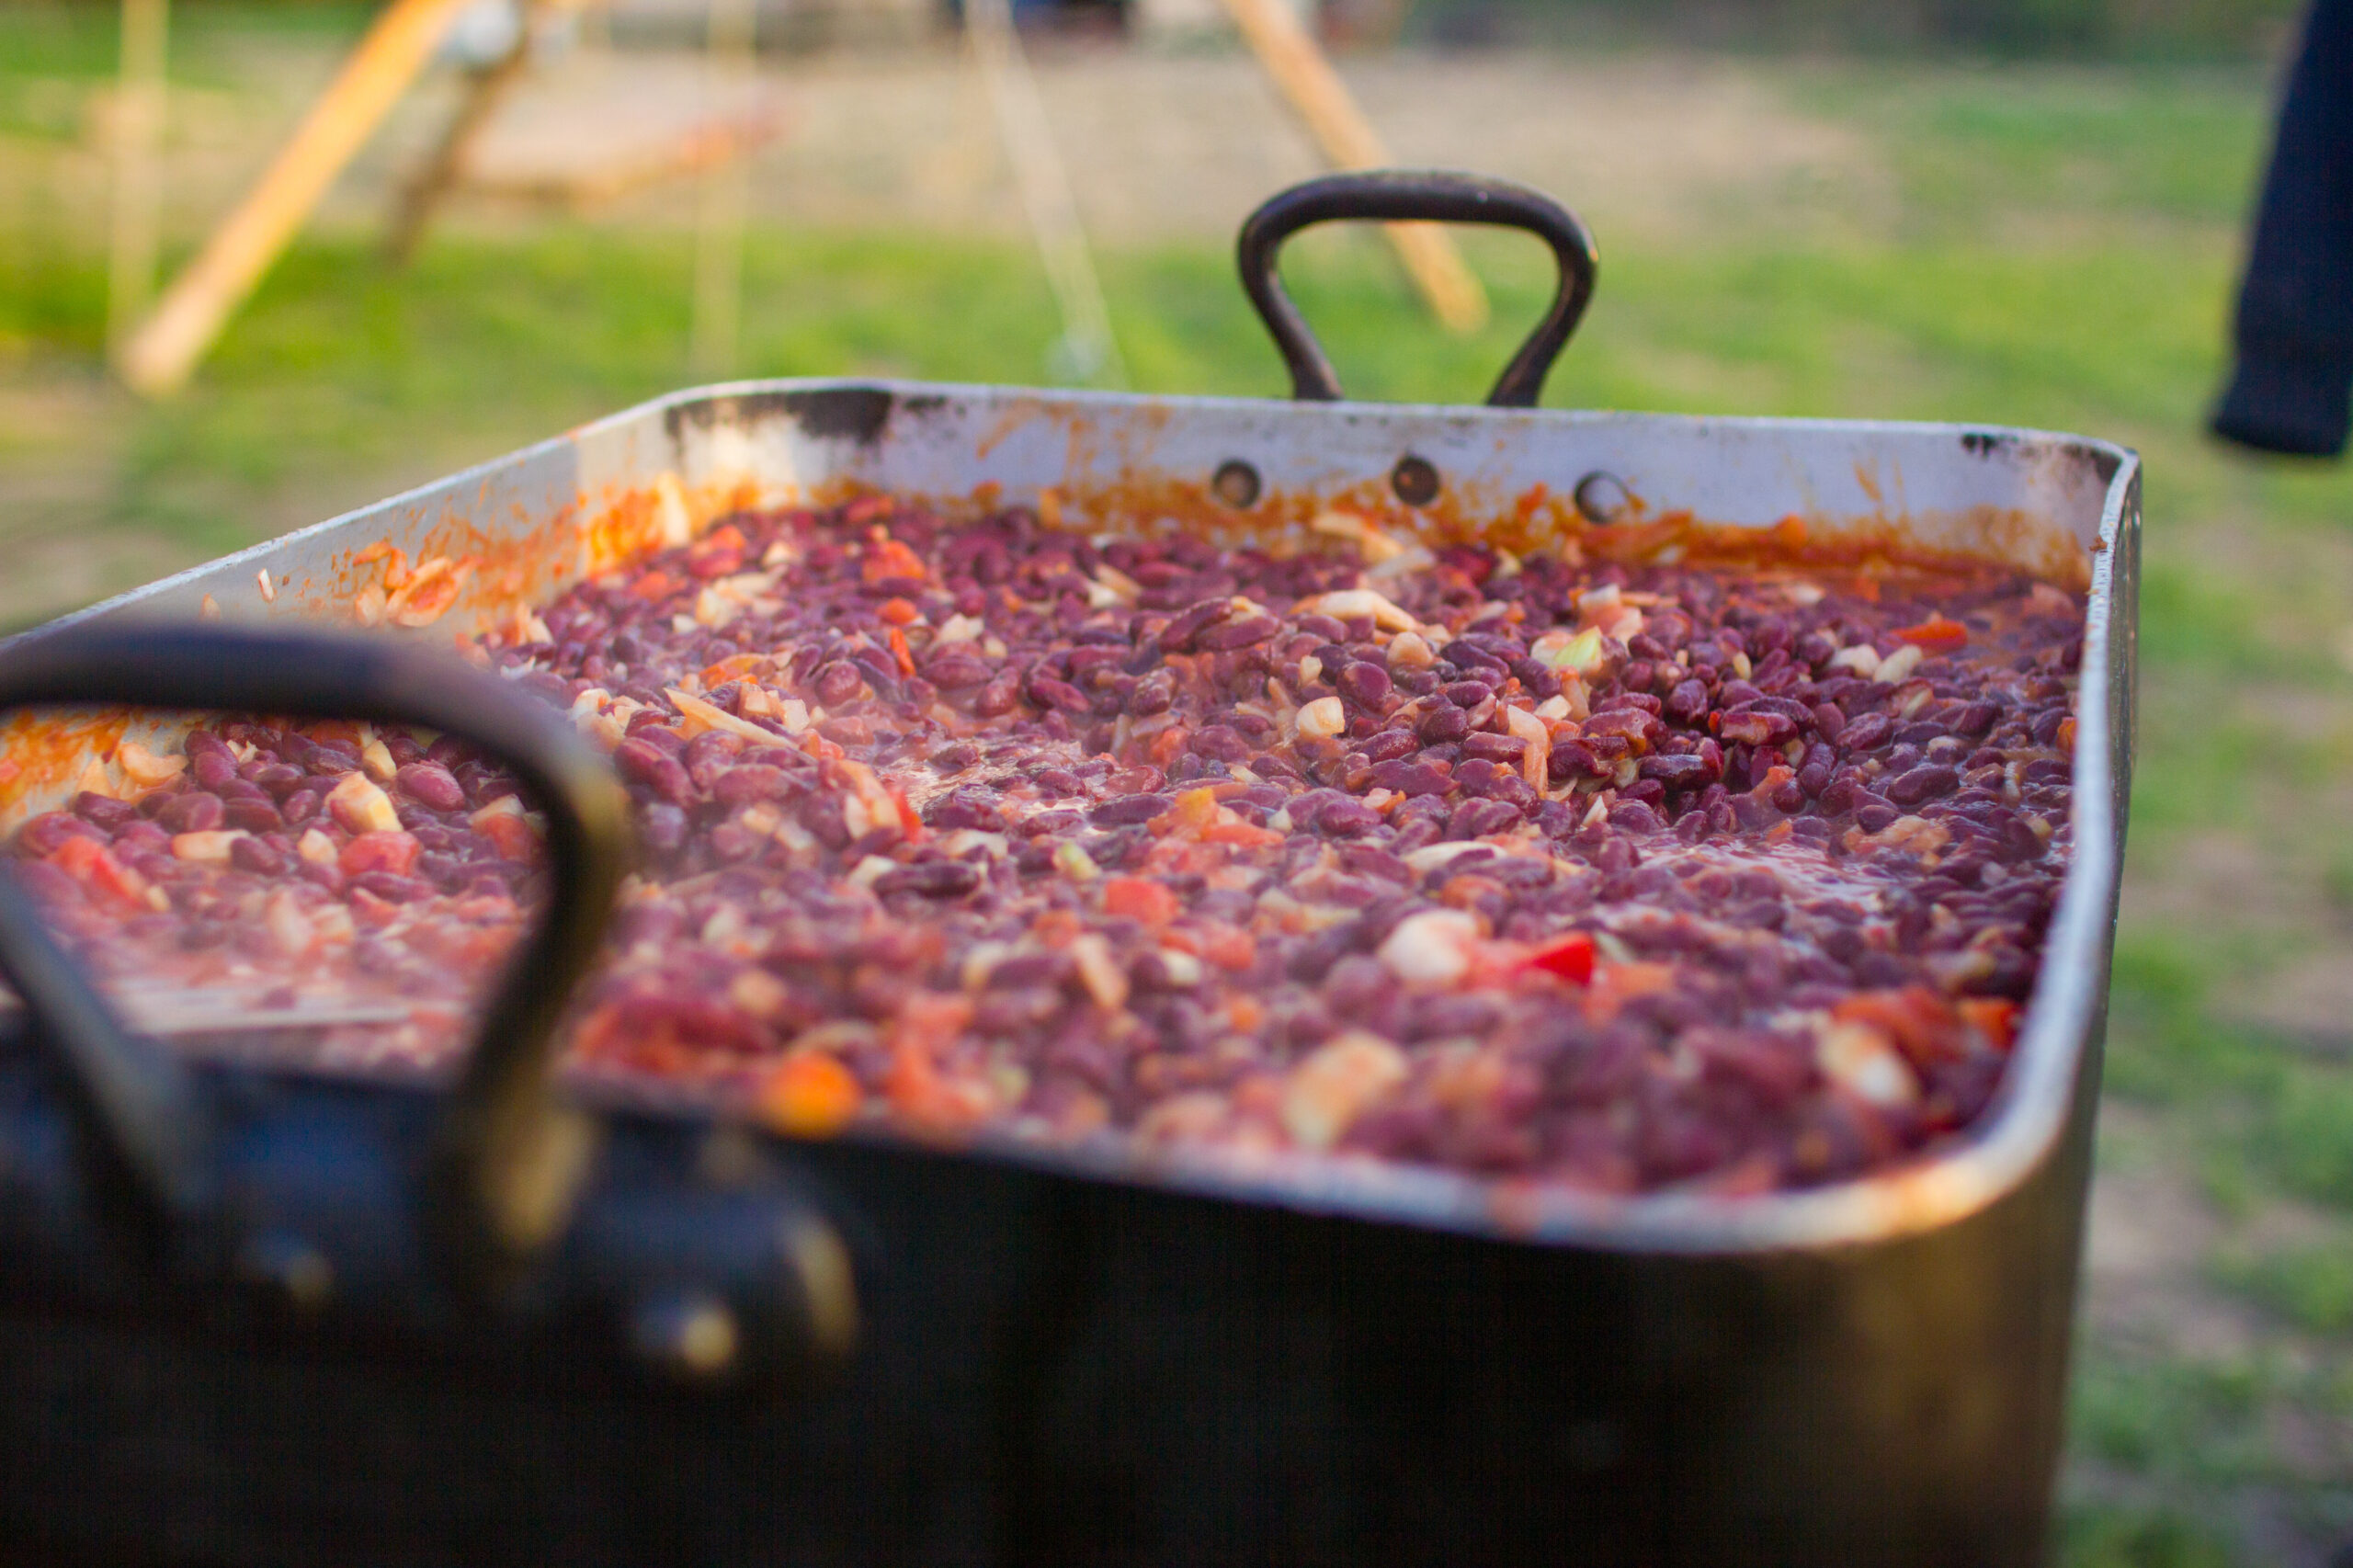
column 2295, row 316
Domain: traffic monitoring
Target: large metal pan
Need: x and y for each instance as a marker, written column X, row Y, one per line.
column 331, row 1324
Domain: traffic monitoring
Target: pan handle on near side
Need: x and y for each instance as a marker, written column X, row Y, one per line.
column 1416, row 195
column 506, row 1160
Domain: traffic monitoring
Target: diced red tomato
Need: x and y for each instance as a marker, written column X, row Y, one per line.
column 511, row 833
column 1170, row 745
column 809, row 1095
column 1139, row 899
column 1936, row 634
column 911, row 825
column 654, row 585
column 735, row 667
column 393, row 852
column 886, row 557
column 1228, row 947
column 1995, row 1017
column 898, row 612
column 1571, row 957
column 371, row 911
column 1615, row 984
column 1924, row 1025
column 93, row 865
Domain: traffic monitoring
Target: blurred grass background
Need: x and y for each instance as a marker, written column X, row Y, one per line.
column 2053, row 243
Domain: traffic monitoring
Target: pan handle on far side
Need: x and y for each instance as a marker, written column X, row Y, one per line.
column 1416, row 195
column 507, row 1160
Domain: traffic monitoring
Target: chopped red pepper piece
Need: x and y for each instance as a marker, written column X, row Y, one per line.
column 94, row 865
column 1571, row 957
column 1935, row 634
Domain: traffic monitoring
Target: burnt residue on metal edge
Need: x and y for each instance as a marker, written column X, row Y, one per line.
column 834, row 413
column 1986, row 443
column 2103, row 462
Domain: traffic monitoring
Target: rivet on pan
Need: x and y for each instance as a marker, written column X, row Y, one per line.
column 686, row 1334
column 1236, row 484
column 1601, row 497
column 1414, row 481
column 293, row 1274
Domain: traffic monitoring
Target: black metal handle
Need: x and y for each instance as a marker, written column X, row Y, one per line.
column 506, row 1160
column 1435, row 196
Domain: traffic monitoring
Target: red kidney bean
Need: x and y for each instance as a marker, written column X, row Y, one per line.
column 1048, row 692
column 195, row 811
column 1348, row 819
column 104, row 811
column 44, row 834
column 392, row 887
column 261, row 860
column 254, row 816
column 644, row 763
column 1363, row 683
column 1688, row 702
column 1475, row 819
column 1222, row 742
column 1409, row 777
column 1674, row 772
column 1444, row 726
column 837, row 682
column 1492, row 748
column 1922, row 784
column 956, row 672
column 430, row 785
column 281, row 780
column 1573, row 760
column 1756, row 729
column 213, row 769
column 1634, row 816
column 1129, row 809
column 742, row 786
column 1241, row 632
column 663, row 827
column 1179, row 634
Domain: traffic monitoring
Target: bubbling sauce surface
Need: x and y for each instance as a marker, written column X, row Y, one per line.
column 1725, row 873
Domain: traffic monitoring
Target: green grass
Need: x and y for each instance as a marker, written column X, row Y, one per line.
column 2155, row 145
column 49, row 49
column 2311, row 1287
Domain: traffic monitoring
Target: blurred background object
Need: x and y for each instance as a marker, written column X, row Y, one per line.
column 2016, row 211
column 2294, row 331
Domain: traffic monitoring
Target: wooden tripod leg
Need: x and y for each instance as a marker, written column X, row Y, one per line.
column 1316, row 93
column 438, row 175
column 158, row 355
column 138, row 185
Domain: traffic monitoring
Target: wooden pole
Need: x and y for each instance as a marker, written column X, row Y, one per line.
column 158, row 356
column 439, row 174
column 1316, row 93
column 725, row 194
column 138, row 186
